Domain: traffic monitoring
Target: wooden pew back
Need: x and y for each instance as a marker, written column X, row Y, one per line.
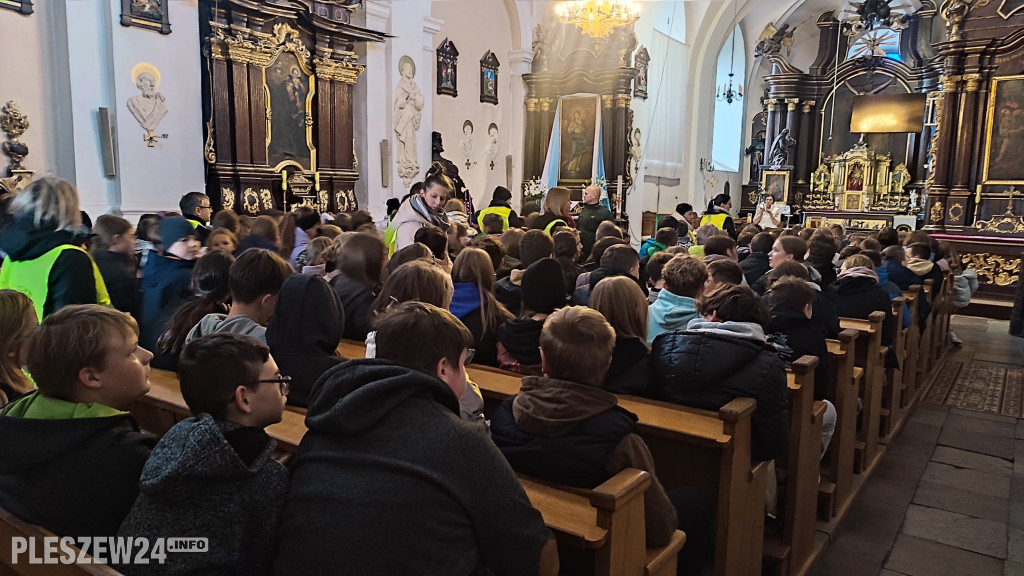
column 11, row 526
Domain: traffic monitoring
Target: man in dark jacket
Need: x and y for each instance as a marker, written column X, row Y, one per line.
column 389, row 480
column 756, row 265
column 168, row 275
column 822, row 250
column 196, row 208
column 535, row 245
column 919, row 262
column 499, row 205
column 591, row 216
column 619, row 260
column 72, row 456
column 725, row 357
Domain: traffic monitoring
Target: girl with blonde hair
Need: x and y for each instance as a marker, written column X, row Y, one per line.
column 556, row 210
column 45, row 260
column 623, row 304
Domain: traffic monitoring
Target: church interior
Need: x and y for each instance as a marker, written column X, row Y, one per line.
column 869, row 114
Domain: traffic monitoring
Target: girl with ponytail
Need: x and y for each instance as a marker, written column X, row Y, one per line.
column 423, row 209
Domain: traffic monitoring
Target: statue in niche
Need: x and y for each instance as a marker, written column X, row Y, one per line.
column 408, row 111
column 468, row 146
column 781, row 149
column 459, row 190
column 539, row 54
column 148, row 107
column 756, row 153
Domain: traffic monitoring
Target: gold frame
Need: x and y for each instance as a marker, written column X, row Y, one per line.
column 286, row 39
column 858, row 201
column 990, row 118
column 785, row 192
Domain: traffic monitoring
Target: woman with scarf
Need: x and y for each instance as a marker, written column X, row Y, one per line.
column 422, row 209
column 858, row 295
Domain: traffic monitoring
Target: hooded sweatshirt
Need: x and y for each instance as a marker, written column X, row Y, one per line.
column 712, row 363
column 925, row 270
column 220, row 324
column 385, row 441
column 72, row 468
column 71, row 277
column 520, row 339
column 164, row 279
column 466, row 307
column 121, row 278
column 304, row 332
column 576, row 434
column 669, row 312
column 217, row 480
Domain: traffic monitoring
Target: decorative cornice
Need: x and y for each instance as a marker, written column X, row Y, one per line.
column 972, row 81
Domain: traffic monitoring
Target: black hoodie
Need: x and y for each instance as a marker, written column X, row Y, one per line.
column 75, row 477
column 304, row 332
column 804, row 336
column 521, row 338
column 71, row 279
column 120, row 274
column 389, row 480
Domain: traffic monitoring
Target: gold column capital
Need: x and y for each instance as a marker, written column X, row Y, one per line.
column 972, row 81
column 807, row 105
column 532, row 104
column 772, row 104
column 545, row 104
column 791, row 103
column 949, row 83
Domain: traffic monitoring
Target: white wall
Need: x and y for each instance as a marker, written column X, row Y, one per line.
column 473, row 36
column 73, row 58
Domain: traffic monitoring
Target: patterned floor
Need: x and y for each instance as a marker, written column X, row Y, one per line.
column 980, row 386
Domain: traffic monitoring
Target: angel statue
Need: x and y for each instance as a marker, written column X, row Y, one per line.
column 773, row 39
column 781, row 149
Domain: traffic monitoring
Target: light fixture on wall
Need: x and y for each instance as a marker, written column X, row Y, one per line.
column 598, row 18
column 725, row 92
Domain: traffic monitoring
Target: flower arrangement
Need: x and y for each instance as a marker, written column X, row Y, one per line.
column 533, row 190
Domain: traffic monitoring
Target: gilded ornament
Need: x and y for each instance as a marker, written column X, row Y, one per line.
column 344, row 70
column 932, row 147
column 12, row 121
column 993, row 268
column 936, row 213
column 250, row 201
column 267, row 198
column 545, row 104
column 322, row 200
column 806, row 106
column 340, row 201
column 355, row 158
column 973, row 81
column 771, row 104
column 227, row 198
column 209, row 152
column 791, row 103
column 956, row 211
column 532, row 104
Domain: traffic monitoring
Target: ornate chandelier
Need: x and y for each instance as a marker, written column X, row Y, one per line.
column 598, row 18
column 725, row 92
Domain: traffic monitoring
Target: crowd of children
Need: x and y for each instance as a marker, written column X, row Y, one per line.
column 249, row 311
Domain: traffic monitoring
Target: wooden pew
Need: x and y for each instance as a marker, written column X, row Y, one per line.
column 802, row 464
column 890, row 415
column 925, row 360
column 604, row 520
column 869, row 356
column 911, row 337
column 11, row 526
column 841, row 449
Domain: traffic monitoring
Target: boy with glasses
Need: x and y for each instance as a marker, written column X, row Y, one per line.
column 213, row 476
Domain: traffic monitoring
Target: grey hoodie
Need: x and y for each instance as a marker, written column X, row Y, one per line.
column 220, row 323
column 196, row 484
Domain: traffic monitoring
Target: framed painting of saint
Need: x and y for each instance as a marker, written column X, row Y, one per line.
column 148, row 14
column 643, row 63
column 1004, row 136
column 447, row 68
column 289, row 86
column 576, row 137
column 489, row 78
column 776, row 183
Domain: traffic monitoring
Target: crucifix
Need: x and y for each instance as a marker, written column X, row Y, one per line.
column 1014, row 193
column 713, row 181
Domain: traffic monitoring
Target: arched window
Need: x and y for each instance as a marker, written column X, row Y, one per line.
column 727, row 147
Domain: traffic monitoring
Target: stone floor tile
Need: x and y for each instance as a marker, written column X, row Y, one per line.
column 972, row 534
column 891, row 573
column 1001, row 447
column 981, row 423
column 1015, row 546
column 919, row 557
column 965, row 479
column 1016, row 515
column 1013, row 569
column 975, row 461
column 923, row 414
column 1020, row 429
column 961, row 501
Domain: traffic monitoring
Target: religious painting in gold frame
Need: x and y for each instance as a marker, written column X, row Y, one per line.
column 1004, row 134
column 577, row 134
column 853, row 201
column 289, row 86
column 776, row 183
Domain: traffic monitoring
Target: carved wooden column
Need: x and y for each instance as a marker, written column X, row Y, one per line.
column 770, row 125
column 943, row 142
column 965, row 133
column 532, row 162
column 804, row 143
column 548, row 107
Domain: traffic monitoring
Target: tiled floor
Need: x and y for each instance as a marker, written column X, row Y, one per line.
column 948, row 496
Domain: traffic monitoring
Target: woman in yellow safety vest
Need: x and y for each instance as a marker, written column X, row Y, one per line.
column 718, row 214
column 45, row 260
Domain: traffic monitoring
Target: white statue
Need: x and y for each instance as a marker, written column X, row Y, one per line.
column 636, row 152
column 149, row 107
column 492, row 144
column 408, row 111
column 468, row 145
